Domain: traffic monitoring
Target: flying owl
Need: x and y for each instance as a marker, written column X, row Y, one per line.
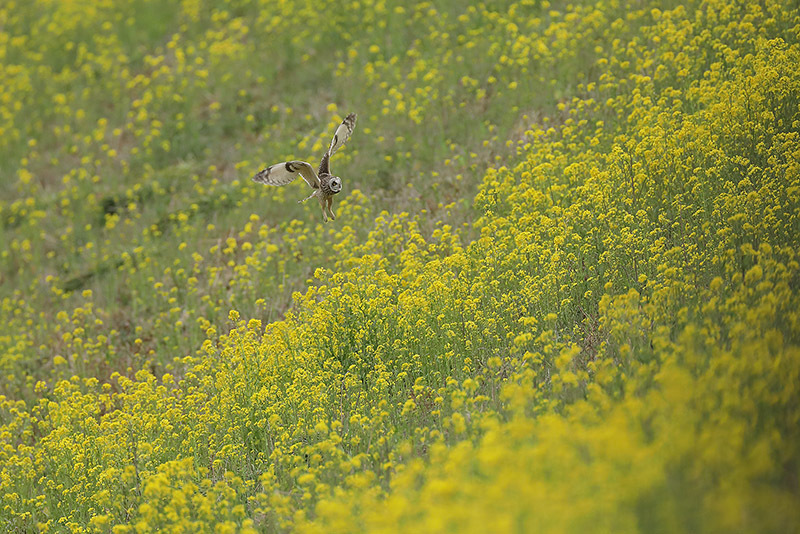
column 324, row 184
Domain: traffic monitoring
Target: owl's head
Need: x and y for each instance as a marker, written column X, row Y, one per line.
column 335, row 184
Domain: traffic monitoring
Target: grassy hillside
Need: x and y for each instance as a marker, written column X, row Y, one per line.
column 561, row 292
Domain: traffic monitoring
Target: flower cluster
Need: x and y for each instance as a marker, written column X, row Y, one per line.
column 606, row 338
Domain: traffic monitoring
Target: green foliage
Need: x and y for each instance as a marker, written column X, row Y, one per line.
column 560, row 293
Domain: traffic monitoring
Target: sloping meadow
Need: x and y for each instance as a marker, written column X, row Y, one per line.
column 129, row 132
column 613, row 346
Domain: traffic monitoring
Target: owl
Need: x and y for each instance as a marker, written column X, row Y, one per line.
column 324, row 184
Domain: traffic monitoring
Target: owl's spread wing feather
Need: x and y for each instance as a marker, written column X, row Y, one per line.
column 340, row 137
column 285, row 173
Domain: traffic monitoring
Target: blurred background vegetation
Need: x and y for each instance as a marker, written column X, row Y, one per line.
column 131, row 130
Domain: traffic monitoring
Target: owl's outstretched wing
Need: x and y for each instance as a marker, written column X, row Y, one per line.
column 285, row 173
column 340, row 137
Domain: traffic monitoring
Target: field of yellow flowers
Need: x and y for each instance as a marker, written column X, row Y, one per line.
column 562, row 292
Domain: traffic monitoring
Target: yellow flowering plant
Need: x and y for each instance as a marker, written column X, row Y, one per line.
column 561, row 293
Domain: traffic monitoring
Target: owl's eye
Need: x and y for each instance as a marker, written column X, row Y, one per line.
column 336, row 184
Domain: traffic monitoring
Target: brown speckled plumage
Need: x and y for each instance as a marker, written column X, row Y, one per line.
column 324, row 184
